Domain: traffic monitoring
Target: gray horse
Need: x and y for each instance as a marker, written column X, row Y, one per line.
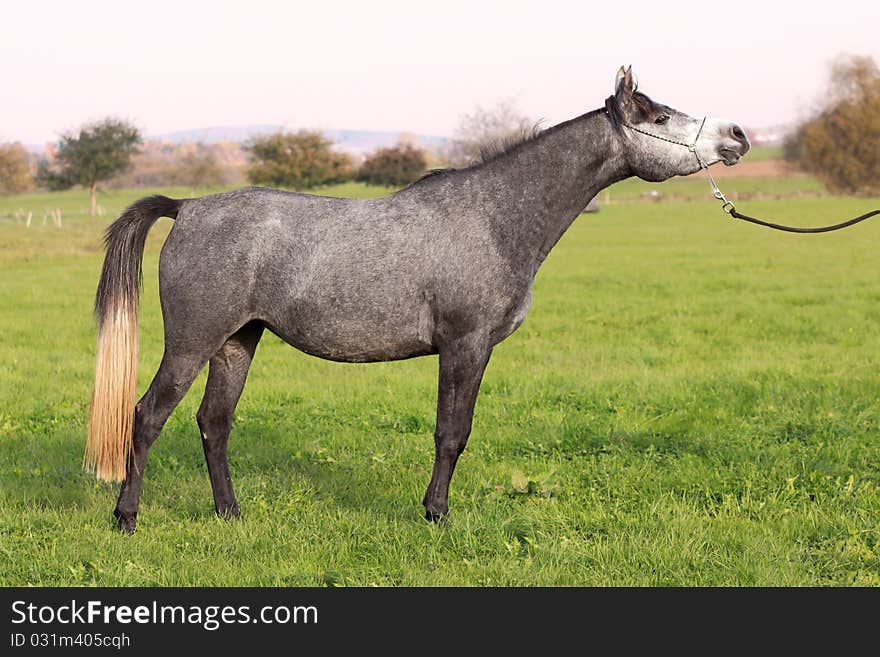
column 444, row 266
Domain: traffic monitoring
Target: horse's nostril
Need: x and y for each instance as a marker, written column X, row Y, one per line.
column 738, row 132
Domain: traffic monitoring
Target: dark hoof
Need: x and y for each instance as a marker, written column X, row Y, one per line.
column 436, row 516
column 230, row 512
column 127, row 523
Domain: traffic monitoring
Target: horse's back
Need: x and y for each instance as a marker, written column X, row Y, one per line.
column 337, row 278
column 345, row 279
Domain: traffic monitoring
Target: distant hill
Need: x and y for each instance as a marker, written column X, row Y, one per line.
column 364, row 141
column 357, row 142
column 354, row 141
column 236, row 133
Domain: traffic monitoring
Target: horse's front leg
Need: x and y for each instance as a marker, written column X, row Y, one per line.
column 462, row 364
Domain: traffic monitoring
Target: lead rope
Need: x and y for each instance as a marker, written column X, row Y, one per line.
column 728, row 206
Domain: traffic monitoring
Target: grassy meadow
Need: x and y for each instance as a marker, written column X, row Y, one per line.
column 692, row 401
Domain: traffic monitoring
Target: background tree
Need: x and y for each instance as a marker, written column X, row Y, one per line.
column 395, row 166
column 96, row 153
column 15, row 169
column 297, row 160
column 483, row 132
column 841, row 144
column 199, row 168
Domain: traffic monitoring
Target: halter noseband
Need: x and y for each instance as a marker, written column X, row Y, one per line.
column 691, row 147
column 727, row 205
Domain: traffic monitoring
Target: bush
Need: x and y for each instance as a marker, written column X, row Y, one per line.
column 841, row 145
column 296, row 160
column 15, row 169
column 199, row 168
column 393, row 167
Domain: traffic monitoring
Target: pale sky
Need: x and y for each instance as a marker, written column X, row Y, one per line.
column 409, row 66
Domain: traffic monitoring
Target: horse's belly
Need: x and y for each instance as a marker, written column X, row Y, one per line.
column 350, row 349
column 356, row 333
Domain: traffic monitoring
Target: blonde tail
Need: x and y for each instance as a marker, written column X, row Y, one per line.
column 111, row 423
column 112, row 416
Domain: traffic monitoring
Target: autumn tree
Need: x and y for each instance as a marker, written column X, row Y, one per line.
column 15, row 169
column 95, row 153
column 484, row 132
column 395, row 166
column 840, row 145
column 199, row 168
column 297, row 160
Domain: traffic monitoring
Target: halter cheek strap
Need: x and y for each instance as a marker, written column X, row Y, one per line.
column 727, row 205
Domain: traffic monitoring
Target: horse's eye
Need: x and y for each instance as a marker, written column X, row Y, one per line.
column 660, row 120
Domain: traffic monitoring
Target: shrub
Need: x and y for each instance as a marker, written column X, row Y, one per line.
column 841, row 144
column 393, row 167
column 15, row 169
column 296, row 160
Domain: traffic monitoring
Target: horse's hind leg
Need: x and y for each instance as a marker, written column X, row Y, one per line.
column 226, row 376
column 174, row 377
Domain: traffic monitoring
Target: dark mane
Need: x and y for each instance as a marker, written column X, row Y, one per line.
column 501, row 147
column 642, row 104
column 492, row 150
column 430, row 174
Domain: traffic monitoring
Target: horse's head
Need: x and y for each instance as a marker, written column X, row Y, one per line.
column 660, row 142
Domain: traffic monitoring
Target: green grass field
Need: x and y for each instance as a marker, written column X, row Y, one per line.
column 762, row 153
column 692, row 401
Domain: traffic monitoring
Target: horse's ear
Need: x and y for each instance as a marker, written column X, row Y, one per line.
column 630, row 79
column 624, row 86
column 624, row 83
column 618, row 79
